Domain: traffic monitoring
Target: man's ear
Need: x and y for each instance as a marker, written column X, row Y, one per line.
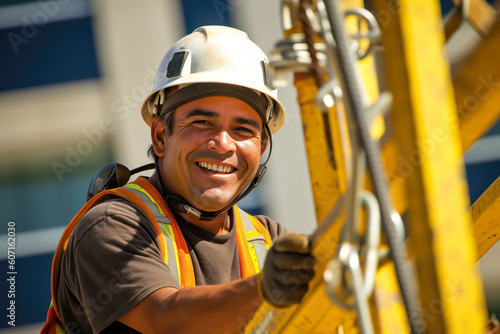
column 263, row 147
column 158, row 136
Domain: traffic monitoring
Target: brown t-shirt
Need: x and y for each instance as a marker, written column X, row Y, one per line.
column 113, row 262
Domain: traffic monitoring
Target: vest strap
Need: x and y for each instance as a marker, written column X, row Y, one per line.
column 172, row 259
column 183, row 261
column 256, row 241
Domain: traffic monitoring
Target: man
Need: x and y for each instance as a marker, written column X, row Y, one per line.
column 174, row 254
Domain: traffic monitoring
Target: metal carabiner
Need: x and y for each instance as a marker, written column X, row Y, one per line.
column 346, row 269
column 366, row 245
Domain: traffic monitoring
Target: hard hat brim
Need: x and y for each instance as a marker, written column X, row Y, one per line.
column 148, row 109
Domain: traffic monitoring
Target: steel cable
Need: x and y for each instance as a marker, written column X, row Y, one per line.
column 353, row 97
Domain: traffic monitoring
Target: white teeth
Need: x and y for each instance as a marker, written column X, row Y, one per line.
column 215, row 168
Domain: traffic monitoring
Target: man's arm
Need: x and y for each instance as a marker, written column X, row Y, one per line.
column 228, row 307
column 224, row 308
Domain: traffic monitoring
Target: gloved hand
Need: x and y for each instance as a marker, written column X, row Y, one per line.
column 287, row 271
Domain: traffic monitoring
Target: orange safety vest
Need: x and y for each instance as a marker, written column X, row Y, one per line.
column 252, row 240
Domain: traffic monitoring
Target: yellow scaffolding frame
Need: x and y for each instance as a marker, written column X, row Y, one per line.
column 424, row 155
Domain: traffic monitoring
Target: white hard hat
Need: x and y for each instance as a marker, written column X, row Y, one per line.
column 215, row 60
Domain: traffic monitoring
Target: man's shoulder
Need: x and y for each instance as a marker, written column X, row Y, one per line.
column 275, row 229
column 114, row 206
column 265, row 220
column 111, row 214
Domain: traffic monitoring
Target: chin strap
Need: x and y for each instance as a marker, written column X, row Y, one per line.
column 179, row 204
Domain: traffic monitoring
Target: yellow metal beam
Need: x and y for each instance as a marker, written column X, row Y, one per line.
column 427, row 136
column 324, row 166
column 486, row 218
column 477, row 89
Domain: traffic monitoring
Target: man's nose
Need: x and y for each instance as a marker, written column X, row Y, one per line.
column 222, row 142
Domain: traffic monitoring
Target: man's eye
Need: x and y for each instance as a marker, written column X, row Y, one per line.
column 247, row 130
column 201, row 121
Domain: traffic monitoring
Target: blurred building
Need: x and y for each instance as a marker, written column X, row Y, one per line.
column 73, row 76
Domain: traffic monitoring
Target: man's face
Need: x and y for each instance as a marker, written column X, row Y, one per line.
column 213, row 151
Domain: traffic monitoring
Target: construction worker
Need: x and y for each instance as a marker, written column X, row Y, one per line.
column 173, row 253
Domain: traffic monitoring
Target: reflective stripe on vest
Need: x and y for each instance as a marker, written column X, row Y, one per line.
column 172, row 258
column 256, row 241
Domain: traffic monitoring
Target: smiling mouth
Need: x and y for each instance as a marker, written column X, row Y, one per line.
column 215, row 167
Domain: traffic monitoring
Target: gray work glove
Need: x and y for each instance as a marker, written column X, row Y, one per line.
column 287, row 271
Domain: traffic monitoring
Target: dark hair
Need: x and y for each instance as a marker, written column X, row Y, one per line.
column 168, row 120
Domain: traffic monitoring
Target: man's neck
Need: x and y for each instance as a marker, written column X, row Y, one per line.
column 219, row 225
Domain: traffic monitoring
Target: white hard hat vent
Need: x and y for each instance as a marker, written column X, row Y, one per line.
column 268, row 79
column 176, row 64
